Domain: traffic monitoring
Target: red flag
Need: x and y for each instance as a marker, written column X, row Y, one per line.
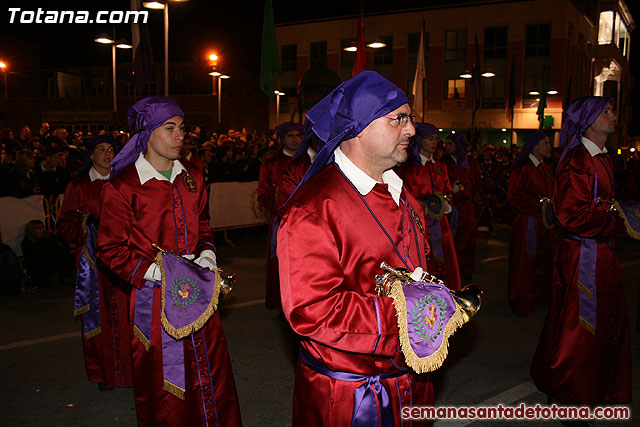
column 360, row 62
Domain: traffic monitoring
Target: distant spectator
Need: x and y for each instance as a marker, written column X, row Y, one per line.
column 22, row 180
column 52, row 173
column 11, row 277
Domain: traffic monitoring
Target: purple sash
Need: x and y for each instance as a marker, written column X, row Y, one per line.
column 587, row 298
column 427, row 317
column 435, row 234
column 87, row 295
column 453, row 224
column 366, row 397
column 189, row 297
column 531, row 238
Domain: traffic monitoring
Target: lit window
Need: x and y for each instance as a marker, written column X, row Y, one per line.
column 605, row 28
column 455, row 88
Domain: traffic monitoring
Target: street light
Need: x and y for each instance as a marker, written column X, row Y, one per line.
column 122, row 44
column 3, row 66
column 157, row 5
column 278, row 95
column 220, row 76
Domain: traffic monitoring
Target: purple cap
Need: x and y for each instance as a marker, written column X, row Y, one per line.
column 286, row 127
column 462, row 145
column 530, row 141
column 581, row 114
column 423, row 130
column 144, row 116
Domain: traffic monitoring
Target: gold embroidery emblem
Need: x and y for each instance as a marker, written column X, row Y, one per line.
column 190, row 183
column 417, row 221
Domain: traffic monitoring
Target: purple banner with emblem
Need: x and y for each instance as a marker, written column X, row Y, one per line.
column 427, row 317
column 629, row 211
column 189, row 294
column 87, row 294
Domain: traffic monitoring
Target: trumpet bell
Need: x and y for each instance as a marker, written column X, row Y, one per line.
column 469, row 298
column 226, row 284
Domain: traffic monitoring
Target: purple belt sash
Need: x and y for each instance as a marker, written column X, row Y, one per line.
column 365, row 398
column 435, row 233
column 587, row 297
column 87, row 295
column 531, row 238
column 453, row 224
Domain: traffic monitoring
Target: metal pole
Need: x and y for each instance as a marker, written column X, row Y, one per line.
column 113, row 75
column 4, row 76
column 166, row 49
column 219, row 100
column 277, row 110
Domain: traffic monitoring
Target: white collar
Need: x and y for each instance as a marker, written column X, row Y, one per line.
column 535, row 161
column 592, row 148
column 454, row 159
column 424, row 159
column 312, row 154
column 146, row 171
column 286, row 153
column 94, row 174
column 363, row 182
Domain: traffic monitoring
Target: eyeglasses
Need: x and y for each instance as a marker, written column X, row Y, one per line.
column 401, row 119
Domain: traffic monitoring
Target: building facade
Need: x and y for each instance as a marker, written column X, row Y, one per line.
column 519, row 49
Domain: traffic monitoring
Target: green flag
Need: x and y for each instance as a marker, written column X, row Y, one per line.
column 270, row 66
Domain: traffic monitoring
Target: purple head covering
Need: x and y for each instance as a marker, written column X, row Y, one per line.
column 91, row 144
column 347, row 110
column 423, row 130
column 581, row 114
column 462, row 158
column 144, row 116
column 286, row 127
column 531, row 141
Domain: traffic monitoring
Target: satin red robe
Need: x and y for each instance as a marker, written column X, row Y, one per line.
column 292, row 174
column 268, row 189
column 465, row 234
column 133, row 217
column 330, row 249
column 107, row 356
column 422, row 181
column 571, row 365
column 530, row 275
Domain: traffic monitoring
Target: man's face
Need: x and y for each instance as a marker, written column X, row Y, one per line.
column 60, row 160
column 44, row 128
column 450, row 147
column 429, row 144
column 25, row 133
column 102, row 155
column 386, row 140
column 543, row 148
column 606, row 121
column 166, row 140
column 292, row 140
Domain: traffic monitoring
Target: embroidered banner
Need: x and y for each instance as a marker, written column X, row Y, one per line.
column 629, row 211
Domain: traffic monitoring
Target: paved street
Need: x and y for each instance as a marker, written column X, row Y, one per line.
column 44, row 382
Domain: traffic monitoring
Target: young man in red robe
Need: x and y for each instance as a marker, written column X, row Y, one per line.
column 153, row 198
column 533, row 240
column 269, row 182
column 584, row 355
column 350, row 214
column 465, row 176
column 101, row 302
column 423, row 176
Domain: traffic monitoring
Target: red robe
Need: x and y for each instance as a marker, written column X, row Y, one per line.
column 572, row 365
column 330, row 249
column 422, row 181
column 107, row 356
column 268, row 189
column 530, row 274
column 465, row 231
column 133, row 217
column 292, row 174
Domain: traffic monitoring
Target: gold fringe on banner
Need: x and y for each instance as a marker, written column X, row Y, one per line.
column 428, row 363
column 630, row 231
column 174, row 389
column 194, row 326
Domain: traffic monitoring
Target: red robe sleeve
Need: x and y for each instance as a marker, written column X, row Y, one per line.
column 69, row 222
column 328, row 311
column 519, row 192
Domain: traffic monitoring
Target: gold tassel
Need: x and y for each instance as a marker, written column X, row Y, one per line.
column 428, row 363
column 174, row 389
column 138, row 334
column 179, row 333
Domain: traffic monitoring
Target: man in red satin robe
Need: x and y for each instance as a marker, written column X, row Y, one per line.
column 350, row 214
column 269, row 182
column 583, row 355
column 423, row 176
column 153, row 198
column 533, row 241
column 105, row 326
column 294, row 171
column 464, row 174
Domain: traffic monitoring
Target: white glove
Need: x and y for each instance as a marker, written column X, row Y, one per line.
column 207, row 259
column 447, row 208
column 153, row 274
column 189, row 256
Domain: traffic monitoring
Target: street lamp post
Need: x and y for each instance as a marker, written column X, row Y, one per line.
column 278, row 95
column 220, row 77
column 104, row 39
column 3, row 66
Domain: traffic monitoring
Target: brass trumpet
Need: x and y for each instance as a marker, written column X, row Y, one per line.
column 469, row 298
